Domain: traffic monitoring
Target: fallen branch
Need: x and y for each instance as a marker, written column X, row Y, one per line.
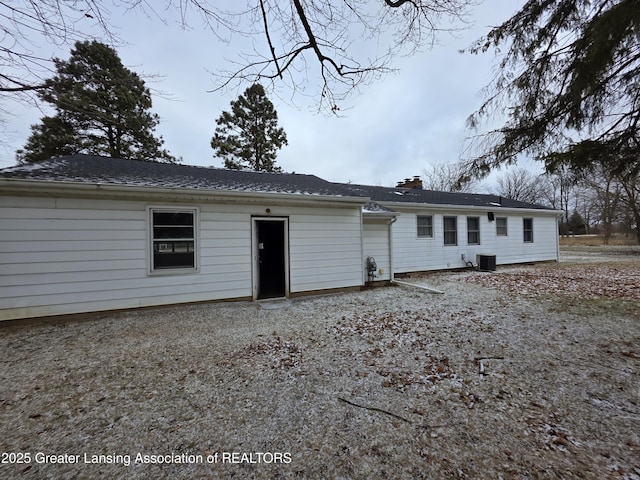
column 391, row 414
column 374, row 409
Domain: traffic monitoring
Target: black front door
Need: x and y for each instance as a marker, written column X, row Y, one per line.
column 271, row 258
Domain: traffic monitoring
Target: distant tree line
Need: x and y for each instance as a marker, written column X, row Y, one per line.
column 595, row 201
column 599, row 200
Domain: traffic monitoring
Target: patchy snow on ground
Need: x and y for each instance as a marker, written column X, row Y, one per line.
column 528, row 372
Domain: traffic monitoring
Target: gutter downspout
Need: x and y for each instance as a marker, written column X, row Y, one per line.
column 362, row 259
column 391, row 274
column 558, row 238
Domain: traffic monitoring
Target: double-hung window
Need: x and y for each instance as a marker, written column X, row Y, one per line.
column 501, row 226
column 425, row 226
column 450, row 230
column 527, row 229
column 173, row 239
column 473, row 230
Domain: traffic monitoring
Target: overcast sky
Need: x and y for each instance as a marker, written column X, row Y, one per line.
column 389, row 131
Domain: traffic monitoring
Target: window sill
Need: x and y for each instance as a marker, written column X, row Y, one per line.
column 172, row 271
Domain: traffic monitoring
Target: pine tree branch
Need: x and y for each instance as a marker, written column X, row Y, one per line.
column 22, row 87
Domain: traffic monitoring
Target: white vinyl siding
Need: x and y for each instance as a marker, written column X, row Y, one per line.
column 411, row 254
column 61, row 256
column 325, row 249
column 376, row 245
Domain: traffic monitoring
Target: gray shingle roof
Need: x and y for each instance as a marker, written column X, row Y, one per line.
column 116, row 171
column 414, row 195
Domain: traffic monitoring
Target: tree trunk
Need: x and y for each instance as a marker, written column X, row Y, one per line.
column 636, row 216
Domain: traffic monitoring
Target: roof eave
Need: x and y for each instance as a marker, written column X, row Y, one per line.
column 484, row 208
column 22, row 187
column 380, row 215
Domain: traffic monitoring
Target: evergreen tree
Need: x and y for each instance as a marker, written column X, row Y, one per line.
column 248, row 137
column 102, row 108
column 576, row 224
column 568, row 83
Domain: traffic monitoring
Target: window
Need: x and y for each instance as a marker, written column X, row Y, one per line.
column 425, row 226
column 450, row 230
column 527, row 227
column 473, row 230
column 173, row 239
column 501, row 226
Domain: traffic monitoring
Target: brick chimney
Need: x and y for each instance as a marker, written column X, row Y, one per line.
column 416, row 182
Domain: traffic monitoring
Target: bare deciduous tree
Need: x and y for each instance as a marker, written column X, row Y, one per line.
column 520, row 184
column 559, row 191
column 606, row 197
column 606, row 200
column 630, row 184
column 336, row 45
column 586, row 206
column 331, row 41
column 448, row 177
column 28, row 23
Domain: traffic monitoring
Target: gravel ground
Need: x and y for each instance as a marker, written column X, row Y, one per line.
column 494, row 379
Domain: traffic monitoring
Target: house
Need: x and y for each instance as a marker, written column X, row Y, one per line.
column 442, row 230
column 85, row 233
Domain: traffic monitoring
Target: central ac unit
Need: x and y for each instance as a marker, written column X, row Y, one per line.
column 486, row 263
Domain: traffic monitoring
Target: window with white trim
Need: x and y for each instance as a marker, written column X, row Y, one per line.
column 173, row 239
column 473, row 230
column 450, row 230
column 527, row 230
column 501, row 226
column 425, row 226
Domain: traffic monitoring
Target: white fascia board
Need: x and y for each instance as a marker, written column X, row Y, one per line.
column 380, row 214
column 465, row 208
column 379, row 217
column 22, row 187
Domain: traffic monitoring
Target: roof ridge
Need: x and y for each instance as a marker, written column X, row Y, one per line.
column 397, row 194
column 79, row 156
